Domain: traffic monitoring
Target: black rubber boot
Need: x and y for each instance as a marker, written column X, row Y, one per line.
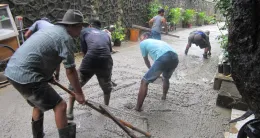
column 37, row 128
column 186, row 51
column 205, row 56
column 70, row 115
column 68, row 132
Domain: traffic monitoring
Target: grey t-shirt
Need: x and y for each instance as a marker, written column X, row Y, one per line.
column 39, row 56
column 157, row 24
column 95, row 43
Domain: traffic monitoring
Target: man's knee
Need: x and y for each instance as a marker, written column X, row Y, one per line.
column 61, row 106
column 144, row 82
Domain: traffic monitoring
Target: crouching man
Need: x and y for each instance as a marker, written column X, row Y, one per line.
column 201, row 39
column 165, row 62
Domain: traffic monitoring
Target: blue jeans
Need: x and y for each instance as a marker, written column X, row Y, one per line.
column 156, row 35
column 165, row 65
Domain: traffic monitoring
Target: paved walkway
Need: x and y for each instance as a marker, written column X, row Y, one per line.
column 188, row 112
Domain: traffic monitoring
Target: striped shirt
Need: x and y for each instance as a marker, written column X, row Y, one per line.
column 37, row 59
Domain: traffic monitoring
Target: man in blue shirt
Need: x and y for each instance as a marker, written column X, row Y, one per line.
column 165, row 62
column 38, row 25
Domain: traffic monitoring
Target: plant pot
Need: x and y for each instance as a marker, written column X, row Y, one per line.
column 226, row 68
column 189, row 25
column 117, row 42
column 220, row 68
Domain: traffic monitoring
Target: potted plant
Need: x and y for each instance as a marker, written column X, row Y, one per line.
column 201, row 16
column 187, row 18
column 118, row 35
column 174, row 17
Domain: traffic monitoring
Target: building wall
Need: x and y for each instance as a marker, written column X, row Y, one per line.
column 108, row 11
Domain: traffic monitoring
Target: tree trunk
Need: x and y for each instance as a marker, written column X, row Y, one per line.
column 244, row 50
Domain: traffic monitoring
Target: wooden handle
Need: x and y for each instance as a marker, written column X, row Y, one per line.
column 131, row 134
column 102, row 111
column 148, row 29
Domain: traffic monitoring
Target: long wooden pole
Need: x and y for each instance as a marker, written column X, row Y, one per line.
column 148, row 29
column 147, row 134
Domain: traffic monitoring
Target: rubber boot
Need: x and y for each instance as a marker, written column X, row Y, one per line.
column 106, row 99
column 68, row 132
column 70, row 115
column 205, row 56
column 37, row 128
column 186, row 51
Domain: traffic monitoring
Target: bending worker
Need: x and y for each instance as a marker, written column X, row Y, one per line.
column 97, row 60
column 165, row 62
column 31, row 68
column 201, row 39
column 38, row 25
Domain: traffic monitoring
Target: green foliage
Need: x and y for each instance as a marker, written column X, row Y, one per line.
column 174, row 15
column 78, row 45
column 188, row 16
column 225, row 8
column 202, row 15
column 118, row 33
column 223, row 41
column 153, row 8
column 210, row 20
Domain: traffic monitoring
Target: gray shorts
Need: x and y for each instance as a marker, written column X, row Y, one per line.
column 39, row 94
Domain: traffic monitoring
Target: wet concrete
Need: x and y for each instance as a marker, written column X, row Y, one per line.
column 188, row 112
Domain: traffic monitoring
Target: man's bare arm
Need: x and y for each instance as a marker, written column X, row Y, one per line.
column 164, row 21
column 28, row 34
column 151, row 22
column 147, row 62
column 74, row 81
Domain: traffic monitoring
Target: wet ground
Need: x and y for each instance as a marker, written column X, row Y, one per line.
column 188, row 112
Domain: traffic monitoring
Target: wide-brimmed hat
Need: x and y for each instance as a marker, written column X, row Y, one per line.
column 72, row 17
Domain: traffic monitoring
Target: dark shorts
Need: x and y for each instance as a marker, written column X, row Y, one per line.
column 39, row 94
column 156, row 35
column 101, row 67
column 165, row 65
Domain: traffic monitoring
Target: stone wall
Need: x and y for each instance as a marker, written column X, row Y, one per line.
column 108, row 11
column 198, row 5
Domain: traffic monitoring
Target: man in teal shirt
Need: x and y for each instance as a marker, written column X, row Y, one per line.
column 165, row 62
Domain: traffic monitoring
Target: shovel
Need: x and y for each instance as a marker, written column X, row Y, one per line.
column 106, row 113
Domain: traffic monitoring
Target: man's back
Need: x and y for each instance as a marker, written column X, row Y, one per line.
column 38, row 57
column 155, row 48
column 95, row 43
column 157, row 24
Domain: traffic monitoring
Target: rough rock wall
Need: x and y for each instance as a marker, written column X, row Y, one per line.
column 244, row 50
column 198, row 5
column 108, row 11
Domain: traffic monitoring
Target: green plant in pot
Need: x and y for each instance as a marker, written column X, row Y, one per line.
column 118, row 35
column 187, row 18
column 174, row 16
column 153, row 8
column 201, row 16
